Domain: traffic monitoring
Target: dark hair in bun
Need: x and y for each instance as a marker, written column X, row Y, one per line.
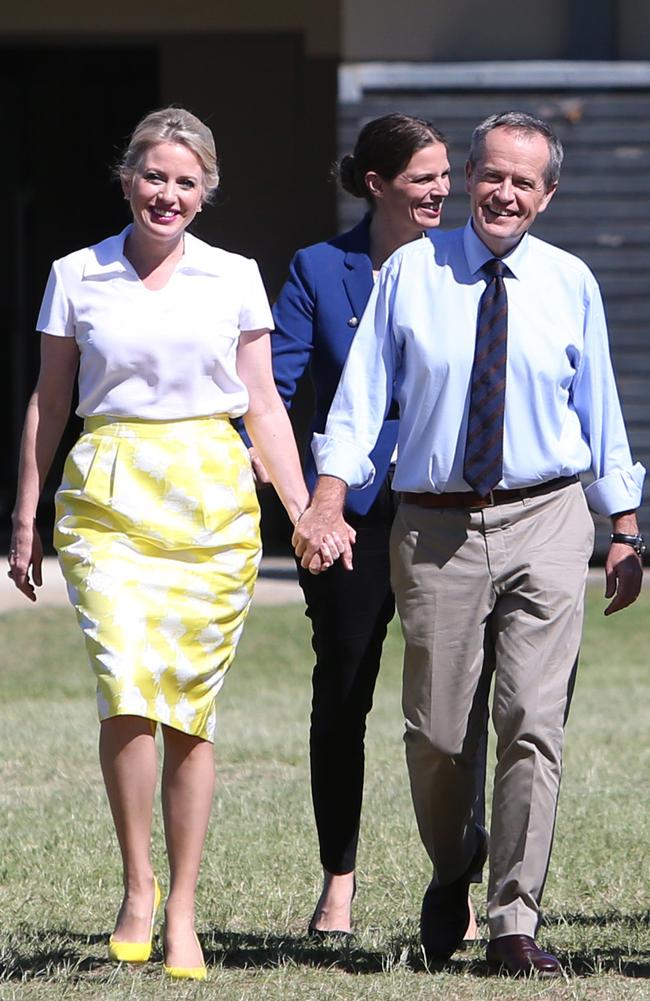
column 385, row 145
column 347, row 176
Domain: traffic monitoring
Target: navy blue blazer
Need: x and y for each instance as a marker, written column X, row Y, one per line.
column 316, row 317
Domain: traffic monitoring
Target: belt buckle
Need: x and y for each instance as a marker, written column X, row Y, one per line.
column 483, row 502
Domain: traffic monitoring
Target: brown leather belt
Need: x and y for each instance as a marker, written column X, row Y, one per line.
column 468, row 499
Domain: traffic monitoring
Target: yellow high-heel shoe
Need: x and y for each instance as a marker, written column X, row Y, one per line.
column 135, row 952
column 187, row 972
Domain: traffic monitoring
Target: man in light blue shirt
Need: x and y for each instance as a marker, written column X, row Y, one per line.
column 495, row 345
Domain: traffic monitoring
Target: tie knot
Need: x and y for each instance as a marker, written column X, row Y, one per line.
column 495, row 268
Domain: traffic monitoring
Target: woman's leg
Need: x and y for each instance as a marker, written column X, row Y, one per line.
column 333, row 910
column 187, row 790
column 127, row 754
column 350, row 612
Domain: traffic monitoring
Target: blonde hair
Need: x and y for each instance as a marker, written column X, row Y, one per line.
column 174, row 125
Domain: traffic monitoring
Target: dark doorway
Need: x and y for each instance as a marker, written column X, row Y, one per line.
column 64, row 115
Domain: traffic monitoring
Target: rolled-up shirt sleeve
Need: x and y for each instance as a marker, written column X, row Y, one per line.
column 618, row 481
column 364, row 394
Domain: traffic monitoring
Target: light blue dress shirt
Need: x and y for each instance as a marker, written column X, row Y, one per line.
column 416, row 342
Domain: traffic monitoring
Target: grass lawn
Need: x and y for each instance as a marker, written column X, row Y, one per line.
column 59, row 871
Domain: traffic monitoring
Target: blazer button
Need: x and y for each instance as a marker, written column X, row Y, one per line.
column 353, row 322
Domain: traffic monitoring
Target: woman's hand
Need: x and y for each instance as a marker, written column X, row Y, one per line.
column 260, row 475
column 46, row 417
column 25, row 552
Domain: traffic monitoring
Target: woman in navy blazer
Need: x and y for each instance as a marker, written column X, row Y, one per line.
column 400, row 167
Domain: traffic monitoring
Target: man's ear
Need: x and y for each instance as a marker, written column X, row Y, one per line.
column 547, row 197
column 468, row 175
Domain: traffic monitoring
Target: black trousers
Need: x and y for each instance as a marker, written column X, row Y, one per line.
column 349, row 612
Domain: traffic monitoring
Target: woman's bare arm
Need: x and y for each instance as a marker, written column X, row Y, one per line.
column 47, row 414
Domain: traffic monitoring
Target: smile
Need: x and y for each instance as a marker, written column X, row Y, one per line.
column 500, row 213
column 163, row 213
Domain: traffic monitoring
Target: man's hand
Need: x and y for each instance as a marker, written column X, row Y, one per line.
column 623, row 568
column 623, row 577
column 321, row 534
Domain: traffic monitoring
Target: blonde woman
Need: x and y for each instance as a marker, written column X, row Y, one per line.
column 157, row 523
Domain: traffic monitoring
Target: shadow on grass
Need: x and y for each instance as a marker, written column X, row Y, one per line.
column 593, row 962
column 31, row 953
column 59, row 952
column 597, row 920
column 53, row 952
column 240, row 950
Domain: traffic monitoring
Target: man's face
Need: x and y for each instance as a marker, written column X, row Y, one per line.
column 507, row 188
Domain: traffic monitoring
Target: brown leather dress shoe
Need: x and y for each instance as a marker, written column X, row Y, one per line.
column 521, row 954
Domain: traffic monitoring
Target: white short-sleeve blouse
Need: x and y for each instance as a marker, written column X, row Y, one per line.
column 163, row 355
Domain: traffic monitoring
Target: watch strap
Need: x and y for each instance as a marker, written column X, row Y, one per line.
column 637, row 542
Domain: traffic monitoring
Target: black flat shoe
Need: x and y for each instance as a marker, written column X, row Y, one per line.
column 332, row 935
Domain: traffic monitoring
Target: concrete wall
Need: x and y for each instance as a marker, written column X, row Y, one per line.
column 458, row 30
column 432, row 30
column 357, row 30
column 633, row 28
column 318, row 20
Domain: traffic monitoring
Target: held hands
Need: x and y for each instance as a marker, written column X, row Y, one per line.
column 25, row 551
column 321, row 537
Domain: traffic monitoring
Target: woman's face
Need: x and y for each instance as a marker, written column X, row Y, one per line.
column 165, row 191
column 413, row 200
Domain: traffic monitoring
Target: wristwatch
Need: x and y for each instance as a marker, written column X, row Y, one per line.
column 636, row 541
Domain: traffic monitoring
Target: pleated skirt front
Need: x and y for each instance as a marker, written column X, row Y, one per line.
column 157, row 532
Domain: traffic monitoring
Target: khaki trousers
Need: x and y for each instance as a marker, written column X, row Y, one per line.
column 500, row 589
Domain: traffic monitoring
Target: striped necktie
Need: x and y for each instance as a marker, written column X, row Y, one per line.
column 483, row 466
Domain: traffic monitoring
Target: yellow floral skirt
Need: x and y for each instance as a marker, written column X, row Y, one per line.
column 157, row 531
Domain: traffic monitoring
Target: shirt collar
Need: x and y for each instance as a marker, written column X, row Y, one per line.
column 478, row 254
column 108, row 258
column 199, row 257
